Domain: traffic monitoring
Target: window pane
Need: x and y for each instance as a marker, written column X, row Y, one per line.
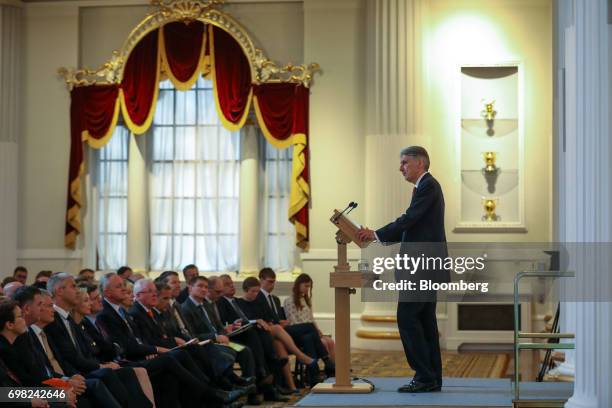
column 184, row 216
column 206, row 255
column 206, row 220
column 163, row 143
column 228, row 256
column 164, row 112
column 162, row 180
column 207, row 112
column 184, row 179
column 208, row 143
column 163, row 224
column 207, row 181
column 110, row 209
column 228, row 216
column 197, row 167
column 185, row 108
column 185, row 143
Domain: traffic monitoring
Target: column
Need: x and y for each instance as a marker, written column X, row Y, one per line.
column 11, row 22
column 138, row 228
column 394, row 77
column 250, row 239
column 584, row 201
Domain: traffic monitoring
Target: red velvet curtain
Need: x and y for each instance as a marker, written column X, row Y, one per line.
column 140, row 81
column 232, row 74
column 183, row 48
column 282, row 108
column 92, row 109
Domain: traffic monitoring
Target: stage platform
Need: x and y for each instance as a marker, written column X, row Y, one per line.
column 456, row 392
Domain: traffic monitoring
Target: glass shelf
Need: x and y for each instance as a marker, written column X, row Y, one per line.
column 485, row 184
column 480, row 127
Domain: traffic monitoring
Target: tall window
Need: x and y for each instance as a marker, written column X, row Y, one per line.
column 191, row 201
column 110, row 179
column 194, row 183
column 280, row 249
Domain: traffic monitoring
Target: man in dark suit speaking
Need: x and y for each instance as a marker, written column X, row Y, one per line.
column 420, row 229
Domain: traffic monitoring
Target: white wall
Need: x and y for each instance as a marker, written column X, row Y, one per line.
column 474, row 32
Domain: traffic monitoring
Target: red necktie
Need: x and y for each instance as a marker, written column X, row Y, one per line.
column 150, row 313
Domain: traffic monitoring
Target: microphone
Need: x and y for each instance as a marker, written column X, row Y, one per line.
column 351, row 204
column 352, row 207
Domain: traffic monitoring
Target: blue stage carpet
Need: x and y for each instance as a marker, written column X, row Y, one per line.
column 456, row 392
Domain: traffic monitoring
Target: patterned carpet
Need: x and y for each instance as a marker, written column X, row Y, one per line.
column 393, row 364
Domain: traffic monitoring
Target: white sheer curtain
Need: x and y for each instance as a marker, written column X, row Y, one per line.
column 280, row 251
column 110, row 201
column 194, row 183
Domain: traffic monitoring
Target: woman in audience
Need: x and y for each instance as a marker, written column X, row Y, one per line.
column 79, row 313
column 298, row 308
column 128, row 301
column 283, row 343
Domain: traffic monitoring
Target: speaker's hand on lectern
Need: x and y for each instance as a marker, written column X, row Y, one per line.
column 366, row 234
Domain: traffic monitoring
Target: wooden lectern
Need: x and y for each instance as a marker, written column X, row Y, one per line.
column 344, row 283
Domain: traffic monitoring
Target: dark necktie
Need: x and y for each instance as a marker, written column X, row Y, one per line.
column 414, row 190
column 273, row 307
column 73, row 334
column 237, row 309
column 207, row 320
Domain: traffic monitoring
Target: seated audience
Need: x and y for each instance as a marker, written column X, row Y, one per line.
column 83, row 309
column 41, row 279
column 125, row 272
column 45, row 360
column 87, row 275
column 189, row 272
column 305, row 335
column 20, row 274
column 284, row 344
column 10, row 288
column 298, row 309
column 165, row 369
column 76, row 350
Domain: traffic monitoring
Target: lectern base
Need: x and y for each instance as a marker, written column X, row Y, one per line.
column 354, row 388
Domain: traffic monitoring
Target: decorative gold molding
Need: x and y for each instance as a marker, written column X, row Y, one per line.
column 263, row 70
column 105, row 75
column 378, row 335
column 380, row 319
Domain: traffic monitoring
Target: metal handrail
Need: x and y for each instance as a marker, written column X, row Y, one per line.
column 518, row 335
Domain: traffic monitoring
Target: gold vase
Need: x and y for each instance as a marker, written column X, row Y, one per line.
column 489, row 113
column 489, row 205
column 489, row 159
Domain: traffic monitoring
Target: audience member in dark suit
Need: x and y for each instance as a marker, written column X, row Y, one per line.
column 284, row 344
column 196, row 314
column 135, row 379
column 147, row 319
column 44, row 360
column 229, row 311
column 178, row 327
column 422, row 226
column 248, row 337
column 119, row 326
column 122, row 383
column 189, row 272
column 12, row 327
column 305, row 335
